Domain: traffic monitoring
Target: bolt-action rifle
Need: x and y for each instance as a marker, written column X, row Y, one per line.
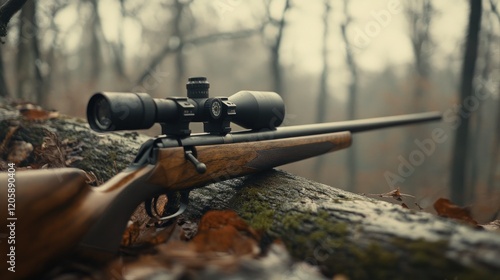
column 54, row 214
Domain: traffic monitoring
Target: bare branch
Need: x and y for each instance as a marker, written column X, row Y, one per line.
column 195, row 41
column 7, row 10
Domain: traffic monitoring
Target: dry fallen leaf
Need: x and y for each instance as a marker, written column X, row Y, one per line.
column 5, row 142
column 396, row 194
column 130, row 234
column 225, row 231
column 33, row 112
column 224, row 246
column 445, row 208
column 223, row 239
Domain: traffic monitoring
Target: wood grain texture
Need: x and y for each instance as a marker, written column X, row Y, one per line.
column 232, row 160
column 54, row 209
column 50, row 216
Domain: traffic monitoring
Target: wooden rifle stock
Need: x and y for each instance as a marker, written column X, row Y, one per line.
column 59, row 215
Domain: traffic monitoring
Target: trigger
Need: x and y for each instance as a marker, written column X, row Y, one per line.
column 177, row 201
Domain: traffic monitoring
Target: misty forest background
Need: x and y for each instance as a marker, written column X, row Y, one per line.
column 329, row 60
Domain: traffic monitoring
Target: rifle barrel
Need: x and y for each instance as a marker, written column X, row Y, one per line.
column 360, row 125
column 353, row 126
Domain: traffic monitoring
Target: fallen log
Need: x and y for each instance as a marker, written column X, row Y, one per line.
column 338, row 231
column 351, row 234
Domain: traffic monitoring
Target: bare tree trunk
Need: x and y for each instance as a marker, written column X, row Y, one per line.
column 493, row 165
column 474, row 154
column 420, row 23
column 118, row 48
column 4, row 89
column 95, row 46
column 420, row 16
column 29, row 76
column 275, row 52
column 51, row 54
column 180, row 63
column 476, row 145
column 323, row 83
column 460, row 148
column 352, row 99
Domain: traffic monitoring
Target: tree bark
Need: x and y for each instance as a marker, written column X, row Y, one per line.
column 351, row 234
column 461, row 143
column 336, row 230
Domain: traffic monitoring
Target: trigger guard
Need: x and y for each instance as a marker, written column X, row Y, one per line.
column 151, row 205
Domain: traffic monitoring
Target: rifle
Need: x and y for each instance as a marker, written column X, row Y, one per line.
column 53, row 214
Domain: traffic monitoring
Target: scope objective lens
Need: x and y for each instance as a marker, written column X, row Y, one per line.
column 102, row 114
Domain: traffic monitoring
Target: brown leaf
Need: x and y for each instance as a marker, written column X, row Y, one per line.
column 130, row 234
column 5, row 142
column 445, row 208
column 140, row 231
column 225, row 231
column 404, row 205
column 139, row 234
column 34, row 113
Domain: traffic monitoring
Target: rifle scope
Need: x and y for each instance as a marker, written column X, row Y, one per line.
column 111, row 111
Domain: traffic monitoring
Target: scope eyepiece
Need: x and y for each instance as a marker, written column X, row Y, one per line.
column 110, row 111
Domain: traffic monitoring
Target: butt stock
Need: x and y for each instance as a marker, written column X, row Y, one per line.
column 54, row 210
column 59, row 215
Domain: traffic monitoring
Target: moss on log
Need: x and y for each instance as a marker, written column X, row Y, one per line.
column 354, row 235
